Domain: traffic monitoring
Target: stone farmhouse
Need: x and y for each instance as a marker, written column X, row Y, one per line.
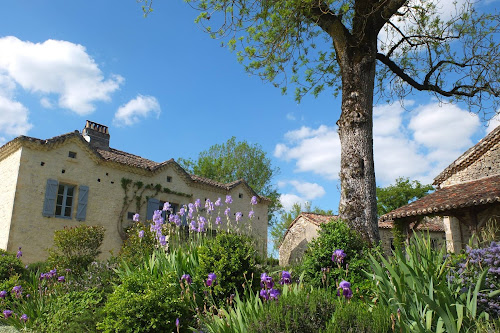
column 77, row 178
column 306, row 226
column 467, row 195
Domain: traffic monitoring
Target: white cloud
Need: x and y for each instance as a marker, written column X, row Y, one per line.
column 288, row 200
column 13, row 117
column 140, row 107
column 493, row 123
column 308, row 191
column 290, row 116
column 57, row 67
column 416, row 144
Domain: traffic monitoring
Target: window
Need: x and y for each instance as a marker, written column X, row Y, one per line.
column 60, row 200
column 240, row 195
column 64, row 203
column 169, row 179
column 72, row 154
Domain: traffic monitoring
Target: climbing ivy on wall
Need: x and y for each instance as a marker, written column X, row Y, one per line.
column 138, row 190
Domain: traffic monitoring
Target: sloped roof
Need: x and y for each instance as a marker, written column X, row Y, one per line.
column 124, row 158
column 430, row 224
column 314, row 218
column 470, row 156
column 473, row 193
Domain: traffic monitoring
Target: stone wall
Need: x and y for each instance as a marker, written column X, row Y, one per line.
column 487, row 165
column 8, row 175
column 296, row 241
column 35, row 232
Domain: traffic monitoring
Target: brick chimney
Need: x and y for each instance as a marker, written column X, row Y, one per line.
column 97, row 135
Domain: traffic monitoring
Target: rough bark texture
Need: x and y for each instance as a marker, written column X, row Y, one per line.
column 358, row 206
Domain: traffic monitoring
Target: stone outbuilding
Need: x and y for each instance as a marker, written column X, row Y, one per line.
column 77, row 178
column 467, row 195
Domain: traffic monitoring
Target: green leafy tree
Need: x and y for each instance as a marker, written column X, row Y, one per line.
column 401, row 193
column 337, row 45
column 236, row 160
column 286, row 218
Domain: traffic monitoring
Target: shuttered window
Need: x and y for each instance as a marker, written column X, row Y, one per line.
column 64, row 202
column 60, row 200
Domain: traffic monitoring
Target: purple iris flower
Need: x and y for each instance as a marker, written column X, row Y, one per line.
column 24, row 318
column 217, row 220
column 136, row 218
column 19, row 253
column 226, row 212
column 218, row 202
column 163, row 240
column 141, row 233
column 7, row 313
column 251, row 214
column 274, row 293
column 61, row 279
column 197, row 203
column 3, row 294
column 266, row 281
column 177, row 324
column 263, row 293
column 253, row 201
column 229, row 199
column 187, row 278
column 193, row 225
column 346, row 289
column 201, row 226
column 212, row 279
column 166, row 206
column 338, row 256
column 182, row 211
column 238, row 216
column 286, row 278
column 17, row 290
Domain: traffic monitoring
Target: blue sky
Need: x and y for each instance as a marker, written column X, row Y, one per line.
column 167, row 90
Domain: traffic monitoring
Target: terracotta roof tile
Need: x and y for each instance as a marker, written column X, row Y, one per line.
column 318, row 218
column 428, row 224
column 478, row 192
column 471, row 155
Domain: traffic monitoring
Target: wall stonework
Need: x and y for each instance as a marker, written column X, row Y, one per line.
column 295, row 243
column 35, row 232
column 9, row 168
column 487, row 165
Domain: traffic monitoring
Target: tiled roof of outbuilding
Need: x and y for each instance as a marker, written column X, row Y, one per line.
column 471, row 155
column 473, row 193
column 430, row 224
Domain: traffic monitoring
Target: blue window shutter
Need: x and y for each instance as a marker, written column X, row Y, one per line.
column 49, row 204
column 153, row 204
column 83, row 195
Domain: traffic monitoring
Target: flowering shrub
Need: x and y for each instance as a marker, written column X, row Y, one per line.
column 75, row 248
column 232, row 258
column 475, row 262
column 9, row 265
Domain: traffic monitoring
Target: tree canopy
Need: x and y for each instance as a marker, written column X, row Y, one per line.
column 234, row 160
column 401, row 193
column 354, row 46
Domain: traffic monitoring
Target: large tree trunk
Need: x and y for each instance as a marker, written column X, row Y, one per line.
column 358, row 206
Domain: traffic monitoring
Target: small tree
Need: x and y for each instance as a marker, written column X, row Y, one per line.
column 76, row 247
column 401, row 193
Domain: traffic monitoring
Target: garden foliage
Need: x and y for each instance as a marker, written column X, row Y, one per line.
column 76, row 247
column 9, row 265
column 359, row 317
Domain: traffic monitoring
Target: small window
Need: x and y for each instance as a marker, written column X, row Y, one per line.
column 169, row 179
column 240, row 195
column 64, row 202
column 72, row 154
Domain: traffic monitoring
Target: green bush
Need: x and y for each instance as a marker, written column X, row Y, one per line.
column 135, row 249
column 232, row 258
column 9, row 265
column 357, row 317
column 145, row 303
column 320, row 270
column 75, row 248
column 99, row 274
column 74, row 312
column 306, row 311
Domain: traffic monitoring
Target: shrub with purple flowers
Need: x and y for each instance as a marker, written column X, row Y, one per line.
column 475, row 262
